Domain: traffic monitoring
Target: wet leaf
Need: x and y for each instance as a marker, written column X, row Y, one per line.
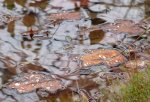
column 30, row 67
column 11, row 27
column 96, row 36
column 103, row 56
column 10, row 4
column 21, row 2
column 29, row 19
column 41, row 4
column 124, row 26
column 65, row 16
column 27, row 82
column 84, row 3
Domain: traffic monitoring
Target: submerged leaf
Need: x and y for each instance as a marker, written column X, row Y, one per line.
column 10, row 4
column 29, row 19
column 103, row 56
column 28, row 82
column 84, row 3
column 65, row 16
column 41, row 4
column 21, row 2
column 124, row 26
column 96, row 36
column 11, row 27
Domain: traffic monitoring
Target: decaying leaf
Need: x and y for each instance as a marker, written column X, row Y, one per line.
column 10, row 4
column 28, row 82
column 84, row 3
column 124, row 26
column 96, row 36
column 29, row 19
column 21, row 2
column 103, row 56
column 65, row 16
column 11, row 26
column 41, row 4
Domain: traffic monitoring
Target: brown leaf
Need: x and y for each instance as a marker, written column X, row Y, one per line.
column 30, row 67
column 29, row 19
column 65, row 16
column 21, row 2
column 84, row 3
column 103, row 56
column 96, row 36
column 28, row 82
column 10, row 4
column 124, row 26
column 41, row 4
column 11, row 26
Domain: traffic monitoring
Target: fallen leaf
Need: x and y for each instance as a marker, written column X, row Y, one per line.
column 103, row 56
column 96, row 36
column 28, row 82
column 84, row 3
column 21, row 2
column 40, row 4
column 124, row 26
column 65, row 16
column 29, row 19
column 11, row 26
column 10, row 4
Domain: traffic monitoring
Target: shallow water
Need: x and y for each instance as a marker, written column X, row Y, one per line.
column 34, row 43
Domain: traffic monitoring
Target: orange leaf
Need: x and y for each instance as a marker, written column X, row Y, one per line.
column 29, row 19
column 65, row 16
column 28, row 82
column 103, row 56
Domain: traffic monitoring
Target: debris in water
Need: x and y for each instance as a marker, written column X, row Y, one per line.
column 103, row 56
column 65, row 16
column 124, row 26
column 27, row 82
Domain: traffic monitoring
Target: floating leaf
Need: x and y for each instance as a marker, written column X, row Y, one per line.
column 10, row 4
column 29, row 19
column 65, row 16
column 41, row 4
column 28, row 82
column 124, row 26
column 96, row 36
column 11, row 27
column 84, row 3
column 21, row 2
column 103, row 56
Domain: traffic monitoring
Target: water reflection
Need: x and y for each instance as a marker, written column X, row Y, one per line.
column 53, row 46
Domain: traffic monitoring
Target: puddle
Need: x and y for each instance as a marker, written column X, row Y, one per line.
column 52, row 36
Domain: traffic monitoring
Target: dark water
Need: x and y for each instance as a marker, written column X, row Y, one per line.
column 34, row 43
